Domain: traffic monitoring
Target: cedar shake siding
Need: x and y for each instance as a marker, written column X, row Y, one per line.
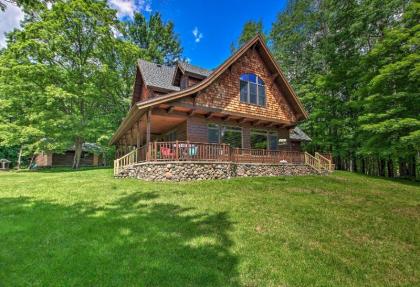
column 224, row 92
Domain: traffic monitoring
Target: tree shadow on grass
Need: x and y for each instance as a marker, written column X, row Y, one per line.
column 130, row 242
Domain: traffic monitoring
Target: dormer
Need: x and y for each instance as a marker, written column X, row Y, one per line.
column 187, row 75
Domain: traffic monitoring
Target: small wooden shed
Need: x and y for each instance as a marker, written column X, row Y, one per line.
column 4, row 164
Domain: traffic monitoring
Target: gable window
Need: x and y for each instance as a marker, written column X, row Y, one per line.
column 252, row 89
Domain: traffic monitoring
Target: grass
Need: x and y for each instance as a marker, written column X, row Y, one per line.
column 84, row 228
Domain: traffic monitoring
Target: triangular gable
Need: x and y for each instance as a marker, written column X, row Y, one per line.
column 257, row 41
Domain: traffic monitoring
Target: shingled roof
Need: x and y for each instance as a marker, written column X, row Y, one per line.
column 160, row 76
column 298, row 135
column 194, row 69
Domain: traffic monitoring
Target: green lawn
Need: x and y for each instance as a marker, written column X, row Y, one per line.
column 85, row 228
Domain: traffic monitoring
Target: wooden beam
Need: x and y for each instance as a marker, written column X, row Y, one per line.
column 192, row 113
column 243, row 120
column 226, row 118
column 162, row 112
column 148, row 126
column 170, row 109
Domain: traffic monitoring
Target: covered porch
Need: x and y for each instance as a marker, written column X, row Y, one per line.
column 185, row 132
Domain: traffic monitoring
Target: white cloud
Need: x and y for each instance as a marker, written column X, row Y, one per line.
column 197, row 35
column 127, row 8
column 9, row 20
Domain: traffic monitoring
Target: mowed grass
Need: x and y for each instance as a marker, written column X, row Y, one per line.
column 85, row 228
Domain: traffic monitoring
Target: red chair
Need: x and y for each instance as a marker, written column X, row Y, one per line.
column 166, row 152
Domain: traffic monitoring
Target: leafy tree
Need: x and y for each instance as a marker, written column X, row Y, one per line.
column 157, row 40
column 322, row 46
column 249, row 30
column 69, row 58
column 390, row 122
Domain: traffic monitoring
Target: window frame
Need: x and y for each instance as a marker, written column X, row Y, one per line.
column 259, row 82
column 220, row 130
column 267, row 134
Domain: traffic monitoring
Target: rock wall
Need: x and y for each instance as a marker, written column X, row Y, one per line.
column 246, row 169
column 186, row 171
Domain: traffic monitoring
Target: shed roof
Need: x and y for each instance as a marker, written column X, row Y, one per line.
column 298, row 135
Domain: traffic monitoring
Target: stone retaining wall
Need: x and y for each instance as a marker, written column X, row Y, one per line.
column 186, row 171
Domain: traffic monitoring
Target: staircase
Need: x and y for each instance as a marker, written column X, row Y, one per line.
column 123, row 162
column 319, row 162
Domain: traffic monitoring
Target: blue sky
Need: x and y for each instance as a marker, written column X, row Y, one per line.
column 219, row 22
column 206, row 28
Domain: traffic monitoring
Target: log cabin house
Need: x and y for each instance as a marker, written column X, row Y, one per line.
column 92, row 155
column 242, row 112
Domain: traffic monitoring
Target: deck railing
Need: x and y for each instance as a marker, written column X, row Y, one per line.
column 265, row 156
column 126, row 160
column 193, row 151
column 188, row 151
column 324, row 162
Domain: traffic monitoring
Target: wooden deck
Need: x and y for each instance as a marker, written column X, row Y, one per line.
column 191, row 151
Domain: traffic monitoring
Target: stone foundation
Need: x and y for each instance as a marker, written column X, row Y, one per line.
column 186, row 171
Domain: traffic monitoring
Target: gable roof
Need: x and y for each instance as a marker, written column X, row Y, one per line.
column 256, row 42
column 298, row 135
column 161, row 76
column 158, row 76
column 195, row 70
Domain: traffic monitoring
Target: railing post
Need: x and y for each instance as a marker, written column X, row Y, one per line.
column 155, row 150
column 176, row 150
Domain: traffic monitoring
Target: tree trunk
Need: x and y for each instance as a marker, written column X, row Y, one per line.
column 412, row 167
column 19, row 158
column 390, row 168
column 77, row 152
column 381, row 167
column 363, row 167
column 32, row 160
column 402, row 167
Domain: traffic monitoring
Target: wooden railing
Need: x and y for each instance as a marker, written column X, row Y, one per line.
column 187, row 151
column 324, row 162
column 126, row 160
column 265, row 156
column 312, row 161
column 192, row 151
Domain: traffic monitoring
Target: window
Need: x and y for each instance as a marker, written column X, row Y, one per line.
column 252, row 89
column 232, row 136
column 213, row 133
column 273, row 140
column 259, row 139
column 262, row 139
column 225, row 134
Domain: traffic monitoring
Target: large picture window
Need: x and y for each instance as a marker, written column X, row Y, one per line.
column 262, row 139
column 225, row 134
column 232, row 136
column 252, row 89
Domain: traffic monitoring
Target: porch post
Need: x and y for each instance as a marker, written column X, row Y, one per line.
column 125, row 145
column 149, row 114
column 138, row 134
column 148, row 151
